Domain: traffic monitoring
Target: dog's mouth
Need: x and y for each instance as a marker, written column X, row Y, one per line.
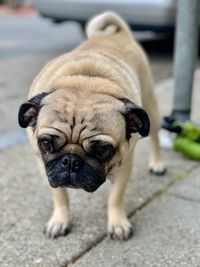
column 86, row 177
column 88, row 187
column 64, row 185
column 67, row 181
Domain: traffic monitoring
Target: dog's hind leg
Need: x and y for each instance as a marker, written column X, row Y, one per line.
column 118, row 225
column 149, row 101
column 156, row 164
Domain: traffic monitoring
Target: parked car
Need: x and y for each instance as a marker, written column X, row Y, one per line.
column 154, row 15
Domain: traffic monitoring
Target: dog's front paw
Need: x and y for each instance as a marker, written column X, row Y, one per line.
column 121, row 232
column 56, row 227
column 157, row 168
column 119, row 227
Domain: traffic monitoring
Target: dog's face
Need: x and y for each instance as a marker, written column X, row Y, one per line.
column 82, row 136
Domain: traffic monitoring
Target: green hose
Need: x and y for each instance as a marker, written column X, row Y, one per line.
column 187, row 147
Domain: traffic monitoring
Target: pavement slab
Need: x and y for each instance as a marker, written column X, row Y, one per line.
column 189, row 189
column 26, row 206
column 167, row 233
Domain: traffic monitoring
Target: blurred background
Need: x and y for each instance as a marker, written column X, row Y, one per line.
column 34, row 32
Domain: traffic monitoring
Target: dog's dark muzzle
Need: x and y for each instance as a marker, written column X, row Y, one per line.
column 72, row 171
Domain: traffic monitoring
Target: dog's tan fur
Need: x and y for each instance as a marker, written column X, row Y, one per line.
column 86, row 85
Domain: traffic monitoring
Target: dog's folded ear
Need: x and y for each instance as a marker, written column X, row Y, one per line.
column 27, row 115
column 29, row 110
column 136, row 118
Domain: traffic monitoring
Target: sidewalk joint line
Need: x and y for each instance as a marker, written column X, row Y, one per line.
column 143, row 205
column 184, row 198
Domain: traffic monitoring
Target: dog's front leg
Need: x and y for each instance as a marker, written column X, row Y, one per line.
column 58, row 225
column 119, row 226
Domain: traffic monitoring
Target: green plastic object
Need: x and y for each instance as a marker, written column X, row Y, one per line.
column 187, row 147
column 190, row 131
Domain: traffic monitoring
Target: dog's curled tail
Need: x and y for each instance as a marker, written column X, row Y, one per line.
column 105, row 24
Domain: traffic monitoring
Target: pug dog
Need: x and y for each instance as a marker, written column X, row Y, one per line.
column 85, row 112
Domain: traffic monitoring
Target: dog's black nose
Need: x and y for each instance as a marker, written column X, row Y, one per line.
column 71, row 162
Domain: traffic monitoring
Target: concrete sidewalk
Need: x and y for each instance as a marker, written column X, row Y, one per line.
column 164, row 212
column 167, row 232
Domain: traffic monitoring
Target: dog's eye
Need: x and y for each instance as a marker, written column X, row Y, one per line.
column 46, row 146
column 103, row 152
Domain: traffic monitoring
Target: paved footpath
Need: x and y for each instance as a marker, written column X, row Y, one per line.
column 165, row 212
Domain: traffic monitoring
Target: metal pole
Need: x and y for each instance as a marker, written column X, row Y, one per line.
column 185, row 57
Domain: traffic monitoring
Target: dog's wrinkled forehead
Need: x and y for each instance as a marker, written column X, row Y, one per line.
column 81, row 115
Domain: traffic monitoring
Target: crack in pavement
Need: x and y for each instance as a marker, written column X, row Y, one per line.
column 184, row 198
column 159, row 192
